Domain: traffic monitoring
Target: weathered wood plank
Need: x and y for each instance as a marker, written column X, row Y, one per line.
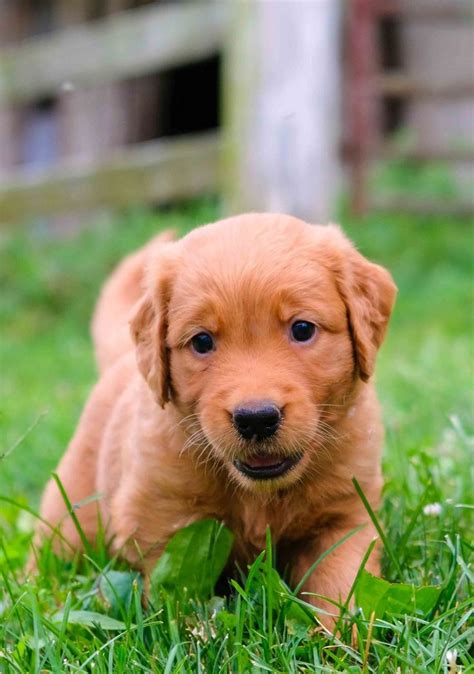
column 282, row 108
column 154, row 172
column 457, row 11
column 13, row 24
column 363, row 119
column 402, row 85
column 417, row 153
column 131, row 43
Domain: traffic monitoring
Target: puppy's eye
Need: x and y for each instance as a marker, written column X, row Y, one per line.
column 202, row 343
column 302, row 331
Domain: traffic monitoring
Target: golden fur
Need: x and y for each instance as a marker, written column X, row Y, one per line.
column 157, row 441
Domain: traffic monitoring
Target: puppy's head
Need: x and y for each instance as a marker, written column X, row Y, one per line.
column 258, row 329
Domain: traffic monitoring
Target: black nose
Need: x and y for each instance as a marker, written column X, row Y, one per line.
column 257, row 420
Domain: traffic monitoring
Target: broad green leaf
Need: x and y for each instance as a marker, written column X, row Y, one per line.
column 378, row 596
column 117, row 587
column 90, row 619
column 194, row 559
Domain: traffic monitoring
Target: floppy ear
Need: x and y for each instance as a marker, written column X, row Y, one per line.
column 149, row 327
column 369, row 293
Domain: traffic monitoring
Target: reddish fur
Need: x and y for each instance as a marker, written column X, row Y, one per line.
column 245, row 279
column 110, row 322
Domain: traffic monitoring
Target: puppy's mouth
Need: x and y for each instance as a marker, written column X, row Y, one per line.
column 266, row 466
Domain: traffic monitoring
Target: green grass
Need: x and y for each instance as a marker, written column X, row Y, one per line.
column 425, row 375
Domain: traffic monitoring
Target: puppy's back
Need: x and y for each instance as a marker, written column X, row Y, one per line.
column 123, row 288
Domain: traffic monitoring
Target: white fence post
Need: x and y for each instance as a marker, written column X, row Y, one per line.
column 282, row 107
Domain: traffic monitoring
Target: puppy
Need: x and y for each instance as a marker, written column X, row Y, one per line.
column 247, row 396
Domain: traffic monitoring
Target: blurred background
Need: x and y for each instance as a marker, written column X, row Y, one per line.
column 121, row 117
column 274, row 105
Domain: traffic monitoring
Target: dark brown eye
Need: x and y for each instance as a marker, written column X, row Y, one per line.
column 302, row 331
column 203, row 343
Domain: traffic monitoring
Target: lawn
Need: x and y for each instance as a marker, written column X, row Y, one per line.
column 425, row 377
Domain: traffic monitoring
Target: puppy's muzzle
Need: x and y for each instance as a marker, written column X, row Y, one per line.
column 257, row 420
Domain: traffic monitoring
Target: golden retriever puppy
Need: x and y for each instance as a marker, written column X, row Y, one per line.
column 248, row 397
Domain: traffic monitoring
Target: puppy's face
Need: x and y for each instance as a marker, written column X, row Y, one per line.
column 261, row 326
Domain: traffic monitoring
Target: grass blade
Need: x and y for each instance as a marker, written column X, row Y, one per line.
column 72, row 513
column 380, row 531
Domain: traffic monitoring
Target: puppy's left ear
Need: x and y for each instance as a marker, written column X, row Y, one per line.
column 369, row 292
column 149, row 327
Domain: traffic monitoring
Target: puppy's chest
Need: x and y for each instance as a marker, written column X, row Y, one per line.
column 287, row 526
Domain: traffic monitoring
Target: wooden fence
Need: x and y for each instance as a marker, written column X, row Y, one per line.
column 159, row 37
column 154, row 172
column 368, row 83
column 131, row 43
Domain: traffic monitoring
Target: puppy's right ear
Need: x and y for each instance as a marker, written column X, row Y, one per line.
column 368, row 291
column 149, row 327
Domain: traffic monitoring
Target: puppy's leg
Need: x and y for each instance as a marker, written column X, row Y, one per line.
column 76, row 473
column 334, row 576
column 143, row 520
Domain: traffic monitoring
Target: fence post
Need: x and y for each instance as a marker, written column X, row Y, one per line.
column 363, row 112
column 282, row 109
column 12, row 27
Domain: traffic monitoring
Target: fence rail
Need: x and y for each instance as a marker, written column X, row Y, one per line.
column 400, row 85
column 154, row 172
column 457, row 11
column 132, row 43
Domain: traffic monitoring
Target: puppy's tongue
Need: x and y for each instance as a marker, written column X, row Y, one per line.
column 262, row 461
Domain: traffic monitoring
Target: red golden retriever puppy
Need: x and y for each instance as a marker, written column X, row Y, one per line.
column 246, row 395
